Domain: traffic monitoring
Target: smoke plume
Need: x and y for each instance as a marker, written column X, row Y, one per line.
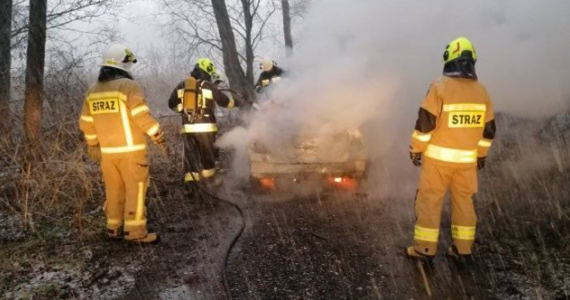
column 367, row 65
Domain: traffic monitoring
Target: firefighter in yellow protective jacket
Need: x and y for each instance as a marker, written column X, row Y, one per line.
column 116, row 120
column 195, row 99
column 453, row 134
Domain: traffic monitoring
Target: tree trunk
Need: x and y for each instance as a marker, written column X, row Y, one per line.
column 34, row 94
column 236, row 76
column 287, row 26
column 249, row 56
column 5, row 63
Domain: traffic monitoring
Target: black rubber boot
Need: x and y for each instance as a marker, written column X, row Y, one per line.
column 115, row 234
column 411, row 252
column 461, row 258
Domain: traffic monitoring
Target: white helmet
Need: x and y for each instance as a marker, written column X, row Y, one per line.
column 267, row 64
column 119, row 56
column 218, row 76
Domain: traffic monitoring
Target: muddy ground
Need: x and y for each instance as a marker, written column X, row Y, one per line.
column 61, row 264
column 319, row 245
column 346, row 247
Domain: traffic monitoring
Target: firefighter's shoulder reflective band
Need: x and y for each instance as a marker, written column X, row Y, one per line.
column 466, row 233
column 153, row 130
column 426, row 234
column 207, row 94
column 180, row 93
column 484, row 143
column 87, row 119
column 208, row 173
column 191, row 177
column 464, row 107
column 137, row 110
column 422, row 137
column 201, row 127
column 124, row 149
column 451, row 155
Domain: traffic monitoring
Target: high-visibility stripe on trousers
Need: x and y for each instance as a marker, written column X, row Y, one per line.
column 435, row 179
column 199, row 156
column 126, row 182
column 466, row 233
column 426, row 234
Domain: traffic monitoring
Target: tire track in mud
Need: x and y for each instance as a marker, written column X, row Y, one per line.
column 339, row 247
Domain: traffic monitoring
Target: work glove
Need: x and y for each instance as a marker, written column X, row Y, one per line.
column 480, row 163
column 94, row 152
column 416, row 159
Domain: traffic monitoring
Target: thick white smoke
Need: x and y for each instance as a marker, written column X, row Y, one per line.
column 367, row 64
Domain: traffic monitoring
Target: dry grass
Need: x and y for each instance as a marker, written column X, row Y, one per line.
column 65, row 182
column 60, row 183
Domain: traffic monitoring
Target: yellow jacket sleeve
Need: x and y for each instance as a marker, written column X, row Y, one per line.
column 140, row 112
column 488, row 133
column 87, row 125
column 427, row 120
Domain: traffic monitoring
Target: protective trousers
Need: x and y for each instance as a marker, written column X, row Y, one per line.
column 199, row 156
column 126, row 181
column 435, row 179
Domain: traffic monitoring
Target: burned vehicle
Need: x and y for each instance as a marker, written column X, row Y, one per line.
column 338, row 160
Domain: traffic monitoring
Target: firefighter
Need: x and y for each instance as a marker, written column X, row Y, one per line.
column 453, row 134
column 219, row 79
column 195, row 99
column 115, row 120
column 270, row 74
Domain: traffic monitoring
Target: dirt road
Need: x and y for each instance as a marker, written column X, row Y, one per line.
column 347, row 247
column 338, row 248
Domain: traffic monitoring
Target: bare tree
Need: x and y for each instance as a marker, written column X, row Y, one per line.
column 248, row 26
column 287, row 25
column 250, row 16
column 34, row 93
column 234, row 71
column 194, row 23
column 299, row 8
column 5, row 64
column 60, row 14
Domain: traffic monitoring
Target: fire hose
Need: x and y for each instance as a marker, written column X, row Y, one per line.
column 193, row 159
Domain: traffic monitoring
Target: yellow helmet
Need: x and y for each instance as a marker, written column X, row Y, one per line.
column 460, row 48
column 206, row 65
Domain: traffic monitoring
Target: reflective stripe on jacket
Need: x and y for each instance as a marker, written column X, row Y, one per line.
column 456, row 123
column 208, row 96
column 199, row 127
column 116, row 116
